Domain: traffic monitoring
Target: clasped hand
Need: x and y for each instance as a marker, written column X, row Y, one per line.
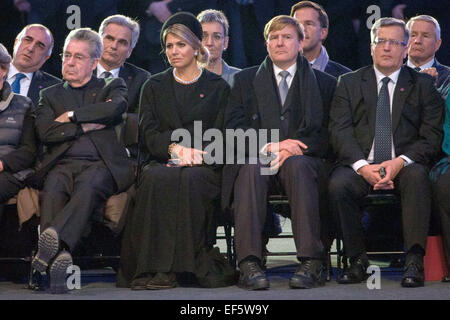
column 283, row 150
column 183, row 156
column 371, row 173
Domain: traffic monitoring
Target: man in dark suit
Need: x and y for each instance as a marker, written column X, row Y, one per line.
column 84, row 163
column 375, row 152
column 286, row 95
column 425, row 41
column 315, row 23
column 120, row 35
column 32, row 47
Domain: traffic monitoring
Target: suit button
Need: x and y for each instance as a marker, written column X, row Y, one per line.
column 282, row 118
column 255, row 116
column 62, row 133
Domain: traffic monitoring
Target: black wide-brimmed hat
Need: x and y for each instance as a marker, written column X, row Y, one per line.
column 184, row 18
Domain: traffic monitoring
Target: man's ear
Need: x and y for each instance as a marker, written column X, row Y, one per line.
column 323, row 34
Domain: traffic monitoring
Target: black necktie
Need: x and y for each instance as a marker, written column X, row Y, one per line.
column 383, row 126
column 417, row 69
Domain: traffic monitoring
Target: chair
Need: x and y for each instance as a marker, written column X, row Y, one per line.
column 277, row 203
column 374, row 200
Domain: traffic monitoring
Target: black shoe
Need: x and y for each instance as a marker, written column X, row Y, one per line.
column 48, row 247
column 252, row 277
column 58, row 272
column 413, row 276
column 162, row 280
column 356, row 273
column 308, row 275
column 446, row 278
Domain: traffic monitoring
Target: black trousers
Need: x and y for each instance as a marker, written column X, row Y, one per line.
column 72, row 191
column 298, row 177
column 347, row 189
column 442, row 200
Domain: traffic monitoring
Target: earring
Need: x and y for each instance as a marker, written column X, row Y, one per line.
column 196, row 53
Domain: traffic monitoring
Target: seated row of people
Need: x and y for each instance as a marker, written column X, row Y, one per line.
column 382, row 116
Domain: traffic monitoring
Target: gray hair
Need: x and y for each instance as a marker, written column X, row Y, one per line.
column 426, row 18
column 212, row 15
column 384, row 22
column 37, row 25
column 123, row 21
column 87, row 35
column 5, row 57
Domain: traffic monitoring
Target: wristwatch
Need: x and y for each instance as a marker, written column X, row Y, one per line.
column 71, row 116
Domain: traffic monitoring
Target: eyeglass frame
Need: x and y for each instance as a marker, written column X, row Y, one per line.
column 78, row 57
column 392, row 42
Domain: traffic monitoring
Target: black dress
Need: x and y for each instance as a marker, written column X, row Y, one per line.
column 174, row 211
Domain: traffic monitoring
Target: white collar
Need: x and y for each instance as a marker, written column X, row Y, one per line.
column 429, row 64
column 393, row 76
column 13, row 71
column 100, row 70
column 292, row 69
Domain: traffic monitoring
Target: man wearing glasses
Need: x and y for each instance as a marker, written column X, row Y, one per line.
column 386, row 127
column 84, row 164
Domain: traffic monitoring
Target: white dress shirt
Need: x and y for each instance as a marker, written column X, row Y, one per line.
column 24, row 82
column 100, row 70
column 429, row 64
column 292, row 69
column 391, row 88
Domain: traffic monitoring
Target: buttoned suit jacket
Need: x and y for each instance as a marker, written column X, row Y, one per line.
column 417, row 116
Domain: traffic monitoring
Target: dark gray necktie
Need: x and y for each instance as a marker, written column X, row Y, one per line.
column 107, row 74
column 283, row 86
column 417, row 69
column 383, row 125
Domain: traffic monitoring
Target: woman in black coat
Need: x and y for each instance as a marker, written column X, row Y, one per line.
column 167, row 234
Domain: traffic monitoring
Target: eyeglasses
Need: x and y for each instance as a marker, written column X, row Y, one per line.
column 78, row 57
column 392, row 42
column 215, row 36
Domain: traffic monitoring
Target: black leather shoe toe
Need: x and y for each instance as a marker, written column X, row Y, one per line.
column 252, row 277
column 308, row 275
column 356, row 273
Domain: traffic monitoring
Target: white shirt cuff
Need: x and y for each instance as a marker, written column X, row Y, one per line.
column 408, row 161
column 358, row 164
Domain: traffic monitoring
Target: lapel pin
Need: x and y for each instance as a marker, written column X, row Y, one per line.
column 94, row 94
column 40, row 87
column 402, row 89
column 130, row 77
column 202, row 95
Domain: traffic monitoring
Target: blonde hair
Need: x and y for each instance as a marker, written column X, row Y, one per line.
column 187, row 35
column 280, row 22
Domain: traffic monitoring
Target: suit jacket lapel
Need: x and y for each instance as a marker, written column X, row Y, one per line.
column 369, row 91
column 267, row 96
column 402, row 89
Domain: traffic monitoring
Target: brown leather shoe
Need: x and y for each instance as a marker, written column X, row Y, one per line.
column 141, row 282
column 162, row 280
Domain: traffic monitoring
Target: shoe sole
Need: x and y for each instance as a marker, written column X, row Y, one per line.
column 48, row 246
column 157, row 287
column 305, row 284
column 260, row 285
column 58, row 273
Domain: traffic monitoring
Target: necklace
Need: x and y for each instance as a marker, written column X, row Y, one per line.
column 186, row 82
